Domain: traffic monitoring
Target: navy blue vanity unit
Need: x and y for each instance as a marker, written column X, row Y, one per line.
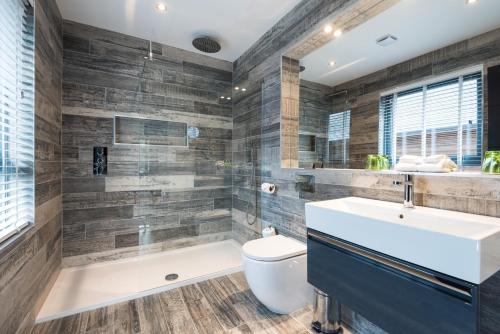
column 400, row 297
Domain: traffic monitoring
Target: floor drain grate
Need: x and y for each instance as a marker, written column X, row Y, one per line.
column 171, row 277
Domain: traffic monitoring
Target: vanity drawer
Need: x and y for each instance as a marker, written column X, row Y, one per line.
column 398, row 297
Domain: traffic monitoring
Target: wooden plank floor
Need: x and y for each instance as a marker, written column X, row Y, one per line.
column 220, row 305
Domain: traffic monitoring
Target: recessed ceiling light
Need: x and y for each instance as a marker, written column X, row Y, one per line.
column 331, row 63
column 161, row 7
column 328, row 29
column 243, row 89
column 470, row 2
column 236, row 88
column 222, row 97
column 228, row 98
column 337, row 33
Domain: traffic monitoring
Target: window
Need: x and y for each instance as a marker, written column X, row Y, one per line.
column 439, row 118
column 338, row 138
column 16, row 116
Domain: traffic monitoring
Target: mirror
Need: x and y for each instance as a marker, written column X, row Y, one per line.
column 392, row 80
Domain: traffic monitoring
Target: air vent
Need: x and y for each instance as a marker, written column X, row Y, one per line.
column 386, row 40
column 206, row 44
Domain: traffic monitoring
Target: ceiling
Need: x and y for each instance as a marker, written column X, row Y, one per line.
column 236, row 24
column 421, row 26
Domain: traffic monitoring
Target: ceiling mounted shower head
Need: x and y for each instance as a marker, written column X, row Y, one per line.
column 206, row 44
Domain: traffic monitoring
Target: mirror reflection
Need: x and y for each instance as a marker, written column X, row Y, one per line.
column 382, row 94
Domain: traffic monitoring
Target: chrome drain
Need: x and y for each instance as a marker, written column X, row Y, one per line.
column 171, row 277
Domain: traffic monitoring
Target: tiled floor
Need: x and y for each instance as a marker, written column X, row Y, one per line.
column 219, row 305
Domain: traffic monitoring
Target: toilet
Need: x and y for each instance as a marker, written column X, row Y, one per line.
column 276, row 271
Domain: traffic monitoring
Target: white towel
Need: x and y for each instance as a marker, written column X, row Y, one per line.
column 444, row 166
column 405, row 167
column 434, row 159
column 410, row 159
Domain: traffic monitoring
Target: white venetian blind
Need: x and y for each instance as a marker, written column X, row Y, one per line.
column 16, row 116
column 439, row 118
column 338, row 137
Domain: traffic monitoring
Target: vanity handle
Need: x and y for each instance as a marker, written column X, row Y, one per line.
column 463, row 292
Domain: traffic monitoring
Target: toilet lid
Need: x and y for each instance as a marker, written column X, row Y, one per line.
column 273, row 248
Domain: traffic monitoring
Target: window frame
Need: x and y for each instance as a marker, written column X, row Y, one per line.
column 21, row 77
column 386, row 114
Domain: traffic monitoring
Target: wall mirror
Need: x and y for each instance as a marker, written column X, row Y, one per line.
column 371, row 82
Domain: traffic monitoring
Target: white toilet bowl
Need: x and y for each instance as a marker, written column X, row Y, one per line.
column 276, row 271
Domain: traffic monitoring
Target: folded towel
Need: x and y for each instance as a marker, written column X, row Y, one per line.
column 410, row 159
column 443, row 166
column 434, row 159
column 405, row 167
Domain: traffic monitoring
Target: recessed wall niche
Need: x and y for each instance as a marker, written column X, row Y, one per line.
column 136, row 131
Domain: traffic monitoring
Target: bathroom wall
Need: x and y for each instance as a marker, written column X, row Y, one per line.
column 315, row 106
column 179, row 187
column 260, row 126
column 30, row 263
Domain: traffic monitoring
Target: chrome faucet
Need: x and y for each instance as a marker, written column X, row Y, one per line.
column 408, row 189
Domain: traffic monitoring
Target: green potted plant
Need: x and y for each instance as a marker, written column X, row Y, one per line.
column 377, row 162
column 491, row 162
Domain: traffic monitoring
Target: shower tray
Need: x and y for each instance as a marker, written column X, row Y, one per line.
column 85, row 288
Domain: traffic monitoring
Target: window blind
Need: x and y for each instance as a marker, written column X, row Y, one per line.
column 439, row 118
column 16, row 116
column 338, row 137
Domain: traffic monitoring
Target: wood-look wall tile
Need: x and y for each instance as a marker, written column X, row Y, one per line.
column 206, row 71
column 105, row 74
column 136, row 183
column 75, row 94
column 93, row 214
column 79, row 247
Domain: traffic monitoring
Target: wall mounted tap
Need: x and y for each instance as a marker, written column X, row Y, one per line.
column 408, row 190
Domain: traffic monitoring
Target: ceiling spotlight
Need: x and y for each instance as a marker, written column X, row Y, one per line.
column 236, row 88
column 222, row 97
column 470, row 2
column 161, row 7
column 331, row 63
column 228, row 98
column 337, row 33
column 243, row 89
column 328, row 29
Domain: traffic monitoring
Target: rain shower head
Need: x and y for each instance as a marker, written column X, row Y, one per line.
column 206, row 44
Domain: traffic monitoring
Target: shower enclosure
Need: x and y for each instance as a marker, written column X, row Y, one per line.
column 248, row 114
column 146, row 159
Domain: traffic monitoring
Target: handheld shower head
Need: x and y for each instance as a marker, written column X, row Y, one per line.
column 150, row 53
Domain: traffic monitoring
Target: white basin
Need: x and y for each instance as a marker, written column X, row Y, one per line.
column 461, row 245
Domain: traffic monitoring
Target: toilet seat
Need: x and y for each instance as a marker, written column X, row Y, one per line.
column 273, row 249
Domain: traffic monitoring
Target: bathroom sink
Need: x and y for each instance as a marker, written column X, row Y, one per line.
column 461, row 245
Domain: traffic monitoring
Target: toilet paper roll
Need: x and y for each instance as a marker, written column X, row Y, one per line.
column 268, row 188
column 268, row 232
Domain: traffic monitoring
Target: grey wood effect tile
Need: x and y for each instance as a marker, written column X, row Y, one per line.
column 221, row 305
